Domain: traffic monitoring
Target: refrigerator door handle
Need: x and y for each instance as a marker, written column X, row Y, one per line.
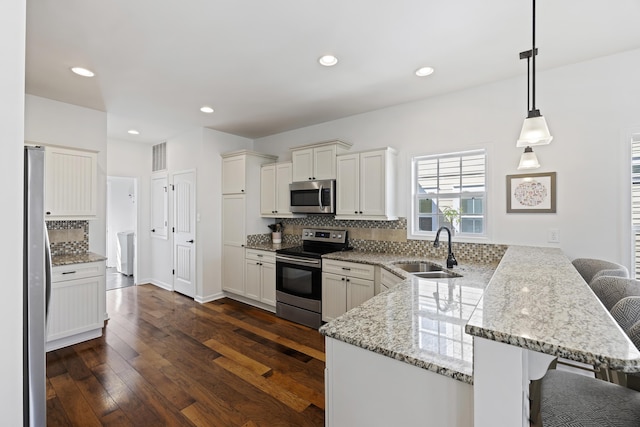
column 47, row 269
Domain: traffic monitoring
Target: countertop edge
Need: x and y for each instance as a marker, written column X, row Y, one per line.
column 69, row 259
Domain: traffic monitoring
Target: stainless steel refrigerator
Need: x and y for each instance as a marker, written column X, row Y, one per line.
column 36, row 288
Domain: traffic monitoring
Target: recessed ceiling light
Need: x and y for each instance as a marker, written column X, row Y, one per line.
column 206, row 109
column 83, row 72
column 328, row 60
column 424, row 71
column 133, row 132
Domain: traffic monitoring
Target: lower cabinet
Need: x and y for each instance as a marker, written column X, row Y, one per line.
column 345, row 285
column 77, row 304
column 386, row 280
column 260, row 276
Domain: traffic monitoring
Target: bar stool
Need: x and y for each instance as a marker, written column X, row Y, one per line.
column 590, row 268
column 610, row 289
column 570, row 399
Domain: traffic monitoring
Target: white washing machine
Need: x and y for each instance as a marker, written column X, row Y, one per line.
column 125, row 251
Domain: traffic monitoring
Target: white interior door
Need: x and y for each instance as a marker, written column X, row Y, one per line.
column 184, row 250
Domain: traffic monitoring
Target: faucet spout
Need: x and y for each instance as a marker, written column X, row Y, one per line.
column 451, row 258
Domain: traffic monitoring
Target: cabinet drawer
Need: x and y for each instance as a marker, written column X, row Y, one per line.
column 257, row 255
column 351, row 269
column 63, row 273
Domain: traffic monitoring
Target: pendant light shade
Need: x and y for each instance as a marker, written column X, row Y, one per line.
column 528, row 160
column 534, row 132
column 534, row 129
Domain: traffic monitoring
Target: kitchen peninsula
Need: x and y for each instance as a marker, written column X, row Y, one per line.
column 408, row 357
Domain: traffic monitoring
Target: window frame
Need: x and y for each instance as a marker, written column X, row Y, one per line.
column 413, row 231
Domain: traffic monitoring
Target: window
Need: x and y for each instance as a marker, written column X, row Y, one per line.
column 449, row 190
column 635, row 201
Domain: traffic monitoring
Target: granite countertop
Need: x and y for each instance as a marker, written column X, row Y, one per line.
column 271, row 247
column 552, row 311
column 418, row 321
column 76, row 258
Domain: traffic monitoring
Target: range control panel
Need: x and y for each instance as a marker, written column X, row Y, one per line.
column 326, row 236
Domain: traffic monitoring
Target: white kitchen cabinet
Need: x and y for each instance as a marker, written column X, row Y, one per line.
column 316, row 161
column 365, row 185
column 240, row 213
column 71, row 184
column 385, row 280
column 260, row 276
column 77, row 304
column 345, row 285
column 274, row 190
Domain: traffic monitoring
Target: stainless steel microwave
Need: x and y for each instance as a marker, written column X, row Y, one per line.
column 313, row 197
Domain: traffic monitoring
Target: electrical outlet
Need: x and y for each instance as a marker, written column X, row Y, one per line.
column 554, row 235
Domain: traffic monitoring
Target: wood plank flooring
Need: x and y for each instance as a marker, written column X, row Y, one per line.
column 166, row 360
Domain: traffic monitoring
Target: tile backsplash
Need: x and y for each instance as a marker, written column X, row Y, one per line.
column 385, row 236
column 68, row 237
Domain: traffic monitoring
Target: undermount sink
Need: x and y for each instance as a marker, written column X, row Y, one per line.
column 426, row 270
column 417, row 267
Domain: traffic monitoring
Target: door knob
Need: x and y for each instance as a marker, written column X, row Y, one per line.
column 190, row 241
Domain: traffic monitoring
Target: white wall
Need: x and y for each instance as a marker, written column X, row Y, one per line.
column 12, row 41
column 591, row 108
column 57, row 123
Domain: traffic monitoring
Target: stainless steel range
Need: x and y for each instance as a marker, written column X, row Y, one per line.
column 299, row 275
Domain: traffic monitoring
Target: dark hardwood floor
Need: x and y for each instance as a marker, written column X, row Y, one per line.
column 167, row 360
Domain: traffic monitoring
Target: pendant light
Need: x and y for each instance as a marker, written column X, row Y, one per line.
column 534, row 129
column 528, row 160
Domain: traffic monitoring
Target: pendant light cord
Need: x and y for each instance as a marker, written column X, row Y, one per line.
column 533, row 54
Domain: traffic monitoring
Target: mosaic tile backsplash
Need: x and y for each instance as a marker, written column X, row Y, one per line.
column 68, row 237
column 385, row 236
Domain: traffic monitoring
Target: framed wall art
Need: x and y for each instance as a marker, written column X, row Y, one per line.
column 531, row 193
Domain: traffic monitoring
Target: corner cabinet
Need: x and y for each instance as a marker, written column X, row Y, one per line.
column 316, row 161
column 77, row 304
column 365, row 185
column 274, row 190
column 345, row 285
column 70, row 184
column 240, row 213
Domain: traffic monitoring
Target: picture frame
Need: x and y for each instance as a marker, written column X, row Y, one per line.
column 531, row 193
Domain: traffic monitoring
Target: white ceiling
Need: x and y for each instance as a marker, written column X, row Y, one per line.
column 255, row 61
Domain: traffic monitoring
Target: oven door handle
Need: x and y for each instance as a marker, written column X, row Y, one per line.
column 298, row 261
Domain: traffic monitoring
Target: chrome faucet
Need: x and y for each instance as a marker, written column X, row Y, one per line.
column 451, row 258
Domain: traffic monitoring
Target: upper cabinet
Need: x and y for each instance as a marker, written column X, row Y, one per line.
column 365, row 185
column 316, row 161
column 274, row 190
column 71, row 184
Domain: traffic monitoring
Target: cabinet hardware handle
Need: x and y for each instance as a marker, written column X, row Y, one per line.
column 68, row 272
column 190, row 241
column 242, row 191
column 360, row 212
column 343, row 279
column 153, row 230
column 260, row 255
column 346, row 268
column 257, row 263
column 355, row 212
column 348, row 280
column 48, row 213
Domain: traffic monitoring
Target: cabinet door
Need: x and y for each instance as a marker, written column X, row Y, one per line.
column 233, row 265
column 302, row 164
column 372, row 183
column 71, row 183
column 233, row 218
column 324, row 162
column 334, row 296
column 233, row 174
column 268, row 190
column 268, row 284
column 358, row 291
column 76, row 306
column 347, row 182
column 283, row 179
column 252, row 279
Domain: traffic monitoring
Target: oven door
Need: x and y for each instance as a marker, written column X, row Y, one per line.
column 299, row 277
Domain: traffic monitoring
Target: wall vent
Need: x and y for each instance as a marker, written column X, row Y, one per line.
column 159, row 157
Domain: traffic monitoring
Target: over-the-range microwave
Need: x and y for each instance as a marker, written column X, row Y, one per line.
column 315, row 197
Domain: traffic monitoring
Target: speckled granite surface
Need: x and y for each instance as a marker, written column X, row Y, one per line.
column 552, row 311
column 272, row 247
column 419, row 321
column 76, row 258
